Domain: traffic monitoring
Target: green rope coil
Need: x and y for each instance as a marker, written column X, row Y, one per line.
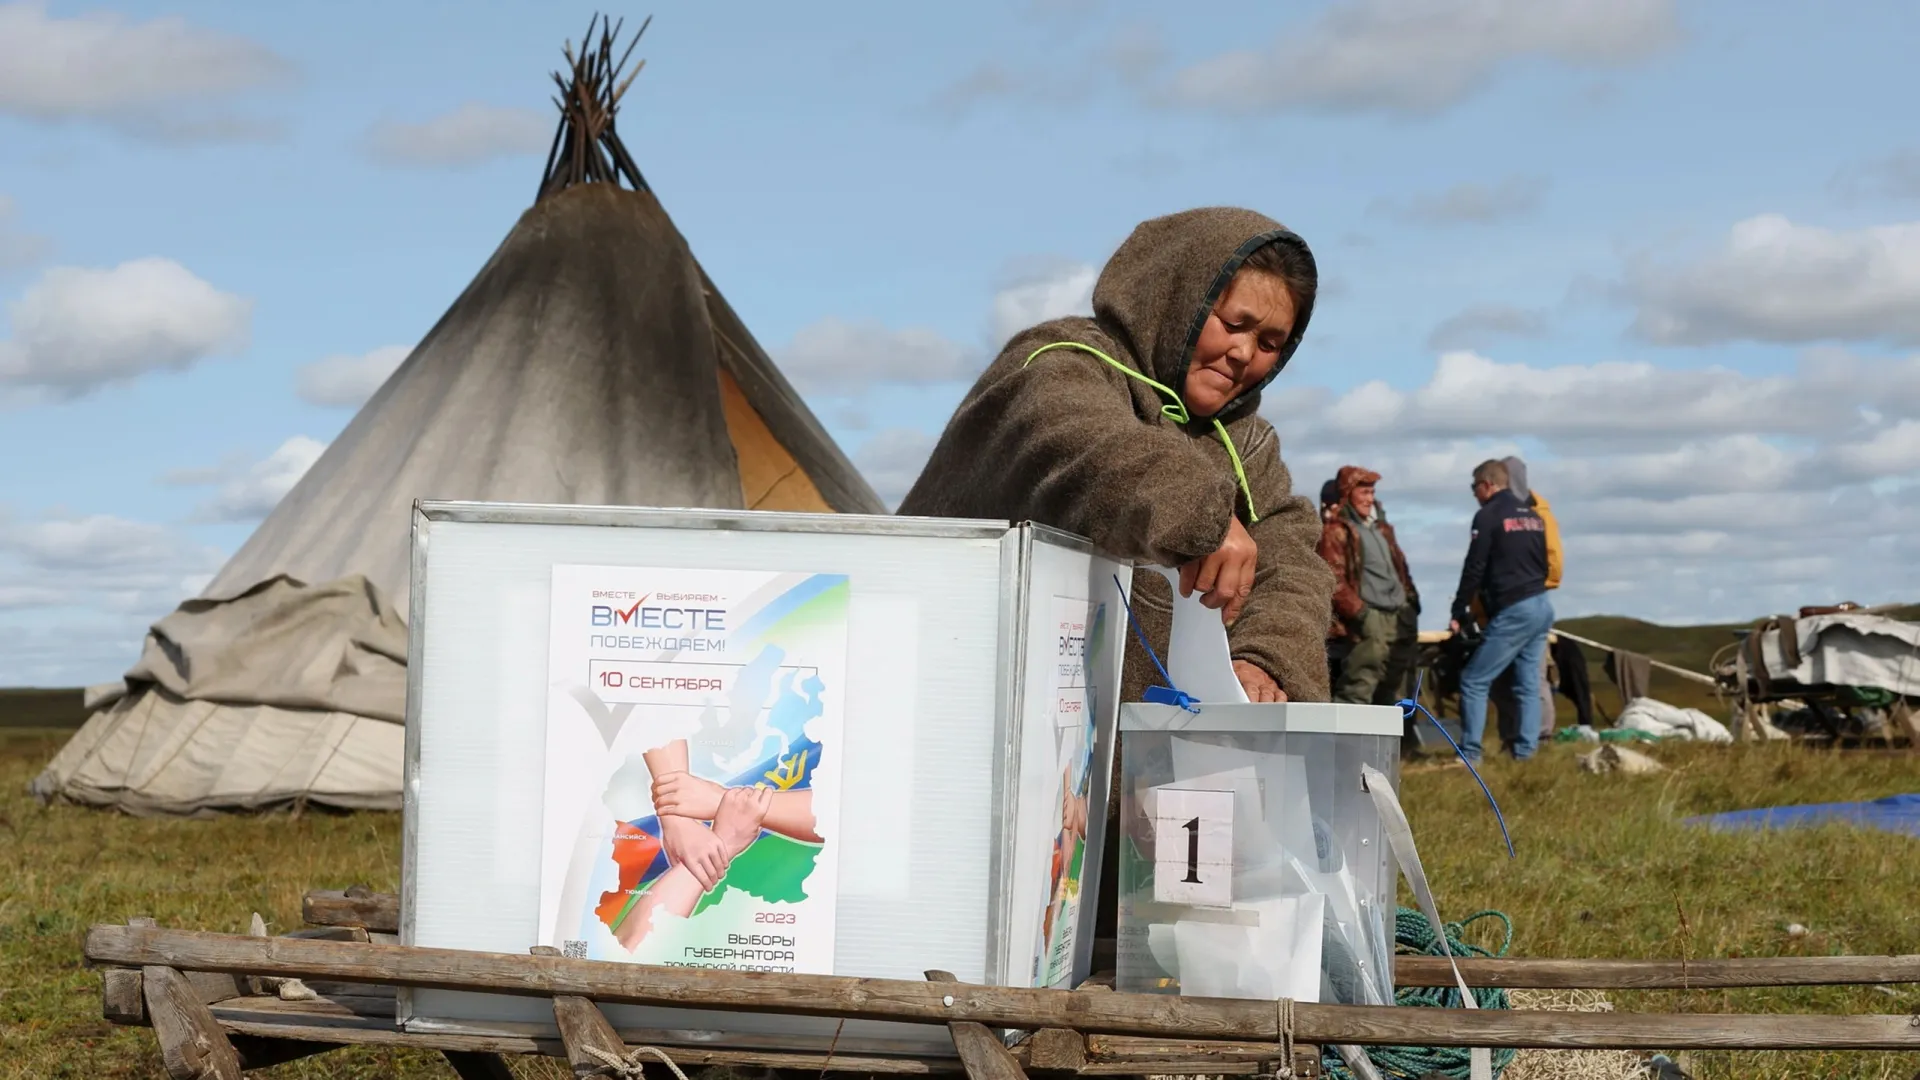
column 1413, row 935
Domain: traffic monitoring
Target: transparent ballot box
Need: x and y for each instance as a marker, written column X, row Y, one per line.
column 812, row 743
column 1252, row 860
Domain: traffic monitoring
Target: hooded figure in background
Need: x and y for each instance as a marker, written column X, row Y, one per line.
column 1374, row 601
column 1138, row 428
column 1506, row 706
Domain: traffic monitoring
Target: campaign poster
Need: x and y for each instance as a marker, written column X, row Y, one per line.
column 1078, row 632
column 694, row 725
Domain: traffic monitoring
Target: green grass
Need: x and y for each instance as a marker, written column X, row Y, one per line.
column 64, row 868
column 1604, row 870
column 32, row 707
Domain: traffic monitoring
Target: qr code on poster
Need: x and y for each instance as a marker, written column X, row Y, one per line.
column 574, row 948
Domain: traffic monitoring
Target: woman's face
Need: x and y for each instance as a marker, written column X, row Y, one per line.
column 1240, row 342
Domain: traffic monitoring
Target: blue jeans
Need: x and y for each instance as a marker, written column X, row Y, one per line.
column 1515, row 638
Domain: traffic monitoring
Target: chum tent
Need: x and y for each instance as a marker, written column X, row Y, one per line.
column 591, row 361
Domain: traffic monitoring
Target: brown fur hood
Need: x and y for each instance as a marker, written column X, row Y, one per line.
column 1064, row 439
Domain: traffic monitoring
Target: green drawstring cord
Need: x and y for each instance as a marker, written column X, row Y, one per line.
column 1177, row 412
column 1239, row 470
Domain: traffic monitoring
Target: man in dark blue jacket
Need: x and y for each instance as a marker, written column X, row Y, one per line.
column 1506, row 572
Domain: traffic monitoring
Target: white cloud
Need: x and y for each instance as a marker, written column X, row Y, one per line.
column 77, row 329
column 248, row 491
column 1775, row 281
column 136, row 77
column 1684, row 495
column 1471, row 203
column 18, row 250
column 77, row 594
column 470, row 134
column 1421, row 56
column 842, row 357
column 891, row 461
column 349, row 380
column 1470, row 396
column 102, row 542
column 1044, row 291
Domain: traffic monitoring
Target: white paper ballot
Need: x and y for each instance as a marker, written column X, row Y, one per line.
column 1276, row 956
column 1198, row 657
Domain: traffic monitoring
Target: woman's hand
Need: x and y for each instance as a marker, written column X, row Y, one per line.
column 691, row 844
column 1259, row 685
column 1225, row 578
column 687, row 795
column 737, row 821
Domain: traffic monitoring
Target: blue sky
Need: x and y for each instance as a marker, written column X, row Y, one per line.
column 1669, row 251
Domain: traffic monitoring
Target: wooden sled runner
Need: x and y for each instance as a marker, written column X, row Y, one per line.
column 221, row 1003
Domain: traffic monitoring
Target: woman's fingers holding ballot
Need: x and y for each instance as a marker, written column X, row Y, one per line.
column 1224, row 578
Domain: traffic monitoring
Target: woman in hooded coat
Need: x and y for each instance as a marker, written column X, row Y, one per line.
column 1138, row 428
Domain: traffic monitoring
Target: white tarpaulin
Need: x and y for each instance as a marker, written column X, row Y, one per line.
column 1847, row 650
column 285, row 692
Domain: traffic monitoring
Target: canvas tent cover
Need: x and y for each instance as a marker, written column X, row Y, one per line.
column 591, row 361
column 309, row 707
column 1846, row 650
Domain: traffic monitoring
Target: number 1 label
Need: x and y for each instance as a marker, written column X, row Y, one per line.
column 1193, row 846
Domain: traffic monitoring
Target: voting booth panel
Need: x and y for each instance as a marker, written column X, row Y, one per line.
column 834, row 744
column 1252, row 859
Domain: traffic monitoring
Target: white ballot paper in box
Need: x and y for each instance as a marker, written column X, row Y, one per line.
column 1236, row 959
column 1199, row 660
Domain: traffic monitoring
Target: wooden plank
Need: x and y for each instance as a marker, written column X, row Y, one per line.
column 369, row 1020
column 918, row 1002
column 192, row 1046
column 351, row 1008
column 331, row 933
column 120, row 996
column 1056, row 1051
column 213, row 986
column 583, row 1030
column 371, row 1032
column 1557, row 974
column 1115, row 1055
column 122, row 999
column 981, row 1051
column 372, row 911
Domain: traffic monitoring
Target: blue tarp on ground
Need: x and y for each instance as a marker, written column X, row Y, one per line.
column 1895, row 813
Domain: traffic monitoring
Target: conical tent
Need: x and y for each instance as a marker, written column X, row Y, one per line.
column 591, row 361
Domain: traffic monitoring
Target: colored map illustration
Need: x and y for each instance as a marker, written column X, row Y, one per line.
column 773, row 868
column 708, row 706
